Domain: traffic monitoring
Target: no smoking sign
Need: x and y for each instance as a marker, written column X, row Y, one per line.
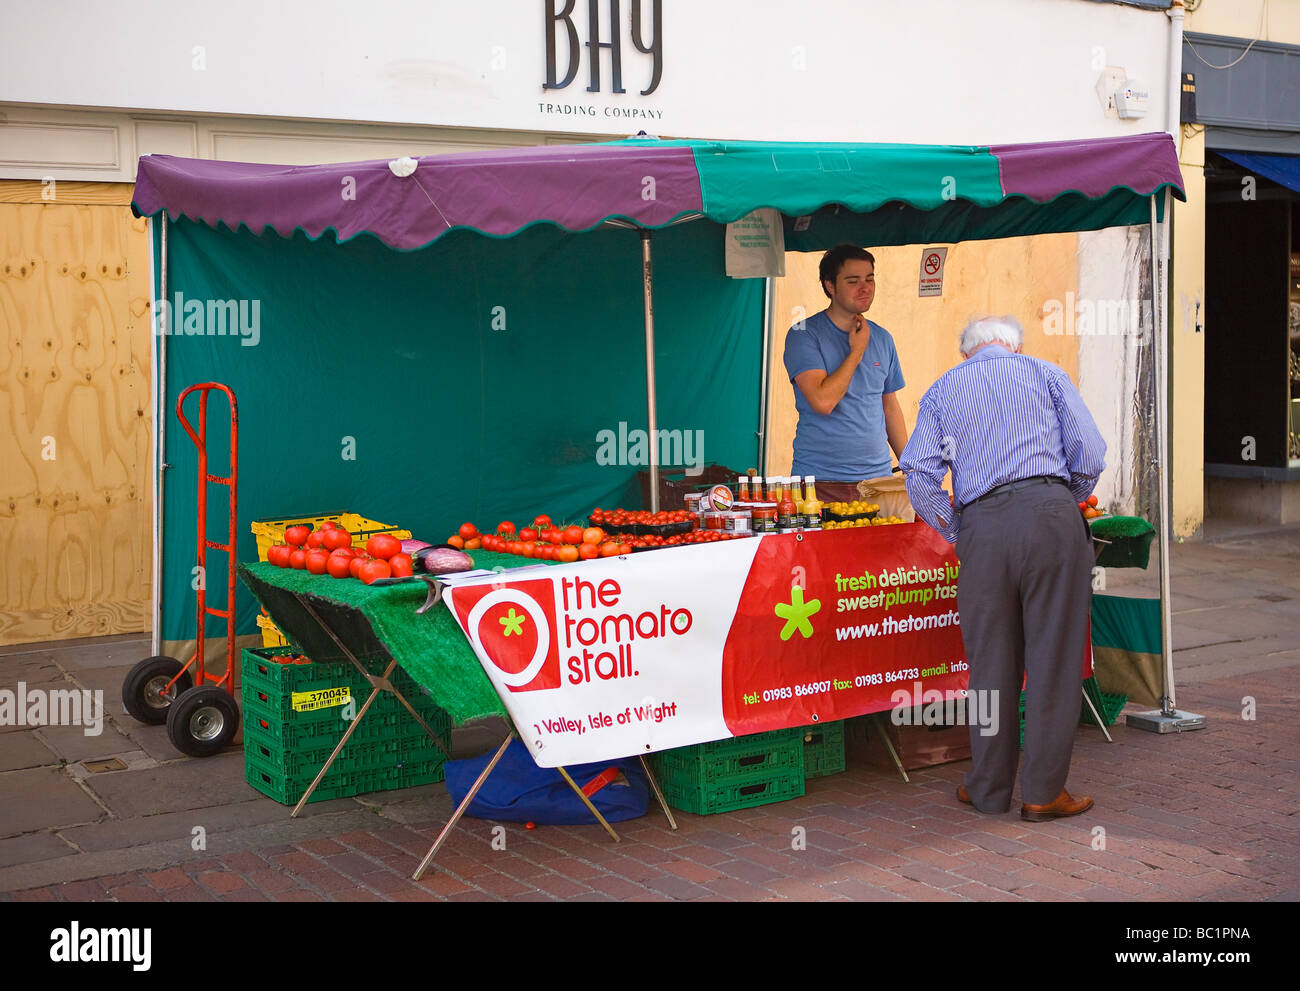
column 931, row 278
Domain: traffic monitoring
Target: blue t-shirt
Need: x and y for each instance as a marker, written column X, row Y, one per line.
column 849, row 443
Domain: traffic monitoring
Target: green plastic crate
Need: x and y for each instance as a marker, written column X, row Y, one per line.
column 1108, row 704
column 728, row 795
column 823, row 749
column 758, row 754
column 358, row 754
column 287, row 789
column 736, row 773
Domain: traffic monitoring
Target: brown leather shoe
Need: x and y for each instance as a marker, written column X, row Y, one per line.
column 1059, row 809
column 962, row 795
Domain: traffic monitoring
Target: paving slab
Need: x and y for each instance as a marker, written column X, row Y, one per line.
column 73, row 744
column 31, row 848
column 187, row 784
column 24, row 749
column 42, row 798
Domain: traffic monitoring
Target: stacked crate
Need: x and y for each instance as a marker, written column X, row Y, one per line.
column 294, row 716
column 737, row 773
column 823, row 749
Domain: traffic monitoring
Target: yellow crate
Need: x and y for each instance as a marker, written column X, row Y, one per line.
column 269, row 532
column 271, row 635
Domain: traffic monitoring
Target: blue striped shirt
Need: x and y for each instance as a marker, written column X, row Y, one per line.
column 998, row 417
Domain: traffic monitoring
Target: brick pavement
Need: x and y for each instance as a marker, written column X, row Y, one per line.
column 1209, row 816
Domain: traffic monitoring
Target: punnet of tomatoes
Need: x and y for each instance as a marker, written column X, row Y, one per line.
column 663, row 523
column 329, row 551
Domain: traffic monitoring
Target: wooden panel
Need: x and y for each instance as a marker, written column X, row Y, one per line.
column 75, row 419
column 65, row 191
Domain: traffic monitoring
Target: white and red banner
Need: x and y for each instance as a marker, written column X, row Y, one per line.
column 619, row 656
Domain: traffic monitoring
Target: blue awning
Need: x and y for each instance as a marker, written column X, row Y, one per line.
column 1282, row 169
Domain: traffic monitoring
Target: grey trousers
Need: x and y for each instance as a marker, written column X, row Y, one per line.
column 1024, row 594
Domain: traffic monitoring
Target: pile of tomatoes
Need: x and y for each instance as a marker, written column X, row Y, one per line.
column 542, row 540
column 617, row 519
column 329, row 551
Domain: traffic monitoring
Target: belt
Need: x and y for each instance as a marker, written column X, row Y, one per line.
column 1018, row 484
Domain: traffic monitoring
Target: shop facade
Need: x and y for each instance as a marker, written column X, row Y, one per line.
column 444, row 78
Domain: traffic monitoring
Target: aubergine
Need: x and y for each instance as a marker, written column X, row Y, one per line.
column 441, row 559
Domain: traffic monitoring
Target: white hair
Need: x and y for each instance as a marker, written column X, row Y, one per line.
column 992, row 330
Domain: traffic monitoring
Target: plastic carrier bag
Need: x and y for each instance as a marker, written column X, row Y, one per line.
column 518, row 790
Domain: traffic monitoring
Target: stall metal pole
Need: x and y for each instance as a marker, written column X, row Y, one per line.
column 769, row 320
column 162, row 323
column 1166, row 719
column 647, row 285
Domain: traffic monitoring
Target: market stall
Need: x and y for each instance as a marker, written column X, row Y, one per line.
column 404, row 334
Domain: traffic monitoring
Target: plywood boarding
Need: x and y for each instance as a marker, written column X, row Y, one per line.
column 1014, row 276
column 75, row 419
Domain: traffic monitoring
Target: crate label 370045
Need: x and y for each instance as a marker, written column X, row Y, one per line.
column 324, row 698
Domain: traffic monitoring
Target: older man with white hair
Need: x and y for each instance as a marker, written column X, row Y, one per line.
column 1024, row 452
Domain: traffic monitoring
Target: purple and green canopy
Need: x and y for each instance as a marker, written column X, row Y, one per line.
column 873, row 194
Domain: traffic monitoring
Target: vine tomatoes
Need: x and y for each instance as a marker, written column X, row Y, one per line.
column 528, row 533
column 542, row 522
column 506, row 528
column 573, row 534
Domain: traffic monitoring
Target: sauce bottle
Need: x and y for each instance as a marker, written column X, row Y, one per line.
column 797, row 482
column 785, row 508
column 812, row 519
column 743, row 488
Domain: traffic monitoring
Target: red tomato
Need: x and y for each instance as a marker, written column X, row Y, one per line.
column 470, row 545
column 354, row 565
column 317, row 560
column 528, row 533
column 456, row 542
column 375, row 569
column 383, row 545
column 468, row 531
column 1092, row 501
column 566, row 554
column 337, row 538
column 339, row 565
column 573, row 534
column 608, row 549
column 593, row 535
column 546, row 552
column 316, row 539
column 329, row 525
column 505, row 528
column 297, row 535
column 625, row 548
column 489, row 542
column 278, row 554
column 401, row 565
column 528, row 548
column 298, row 558
column 542, row 522
column 589, row 550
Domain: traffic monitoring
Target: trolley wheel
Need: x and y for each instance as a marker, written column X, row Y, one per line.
column 144, row 691
column 202, row 721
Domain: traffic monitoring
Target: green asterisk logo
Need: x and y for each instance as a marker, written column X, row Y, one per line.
column 513, row 622
column 796, row 613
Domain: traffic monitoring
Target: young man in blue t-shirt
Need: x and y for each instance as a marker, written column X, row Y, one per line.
column 846, row 378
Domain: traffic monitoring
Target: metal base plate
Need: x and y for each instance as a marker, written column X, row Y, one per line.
column 1156, row 721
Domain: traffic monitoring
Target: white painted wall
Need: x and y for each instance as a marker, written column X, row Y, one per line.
column 942, row 71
